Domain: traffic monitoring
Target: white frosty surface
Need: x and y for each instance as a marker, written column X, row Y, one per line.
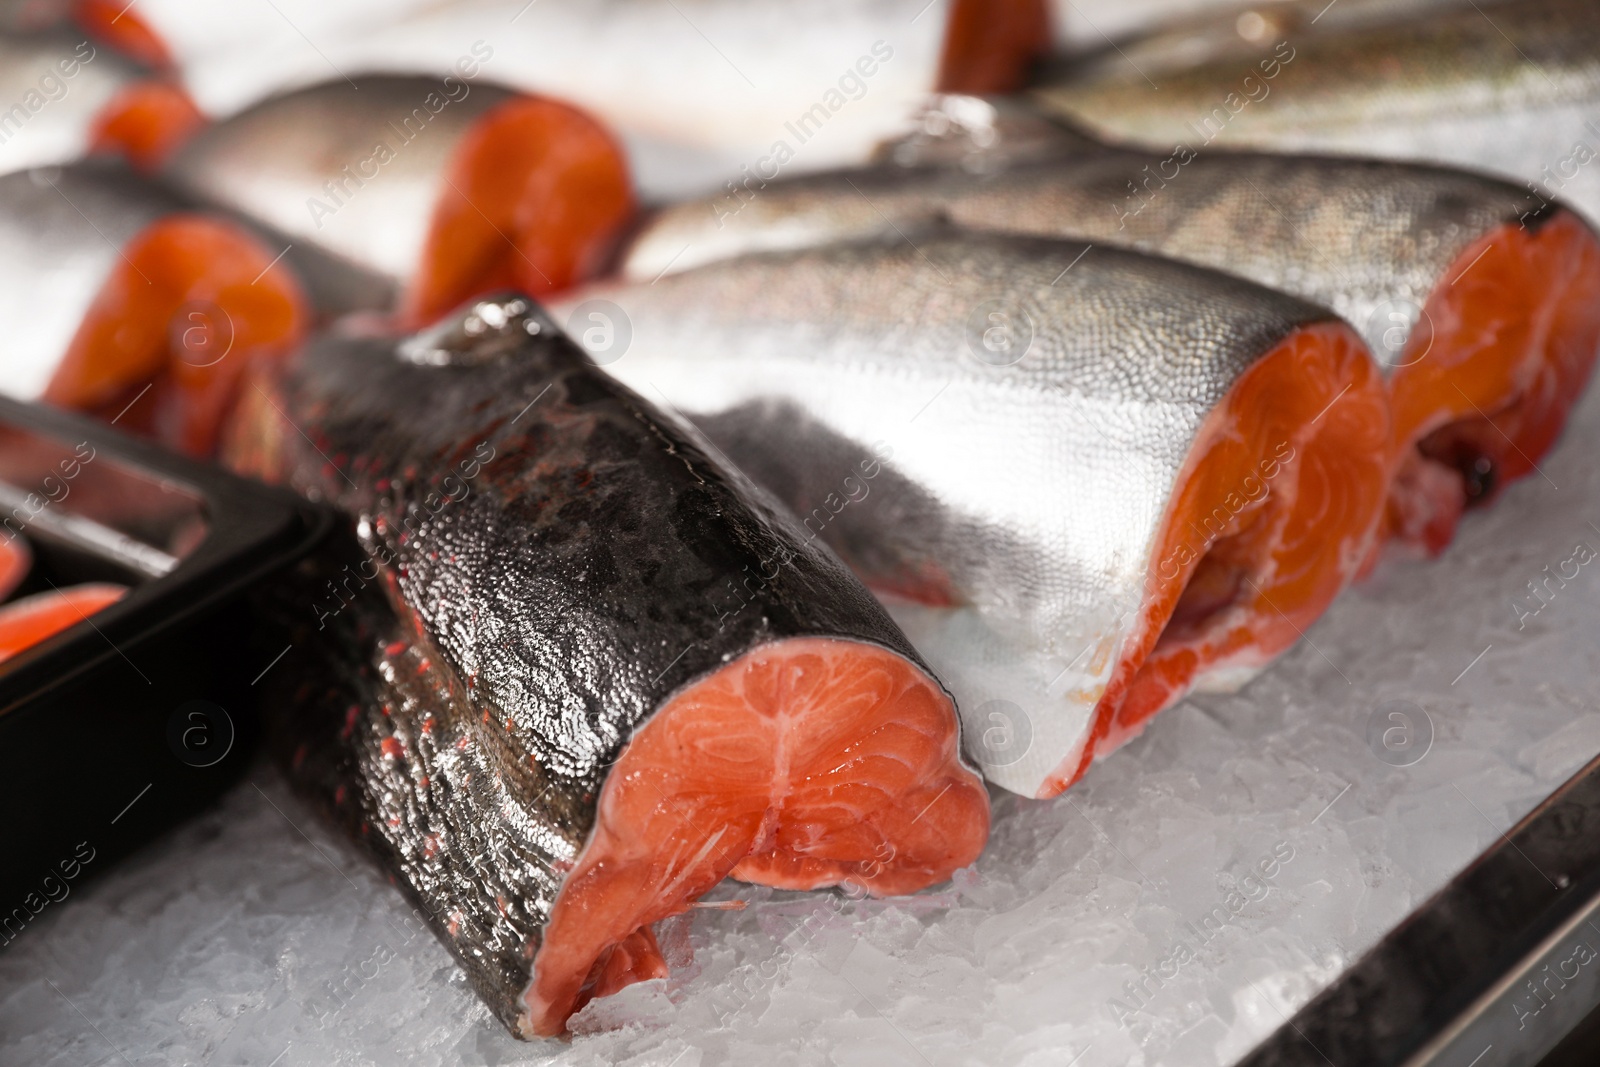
column 222, row 944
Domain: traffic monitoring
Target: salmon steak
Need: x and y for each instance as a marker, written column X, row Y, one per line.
column 444, row 187
column 1484, row 315
column 1089, row 480
column 579, row 670
column 130, row 305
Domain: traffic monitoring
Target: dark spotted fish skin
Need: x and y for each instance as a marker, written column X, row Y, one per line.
column 544, row 559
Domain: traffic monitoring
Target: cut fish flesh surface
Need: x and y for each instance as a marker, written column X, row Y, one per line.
column 133, row 309
column 30, row 620
column 153, row 351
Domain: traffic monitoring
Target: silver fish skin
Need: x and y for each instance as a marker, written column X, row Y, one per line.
column 354, row 171
column 1023, row 476
column 1369, row 239
column 54, row 84
column 1511, row 88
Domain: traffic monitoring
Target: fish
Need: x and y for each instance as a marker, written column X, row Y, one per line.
column 1484, row 311
column 28, row 621
column 125, row 303
column 1512, row 89
column 63, row 99
column 1087, row 481
column 693, row 89
column 443, row 187
column 579, row 670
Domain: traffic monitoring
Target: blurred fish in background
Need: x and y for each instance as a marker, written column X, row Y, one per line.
column 63, row 97
column 1511, row 88
column 694, row 89
column 444, row 187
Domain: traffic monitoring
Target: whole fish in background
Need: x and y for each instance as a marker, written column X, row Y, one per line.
column 446, row 187
column 696, row 89
column 1484, row 313
column 583, row 671
column 62, row 99
column 124, row 302
column 1090, row 480
column 1512, row 88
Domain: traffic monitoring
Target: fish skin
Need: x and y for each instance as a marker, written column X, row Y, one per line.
column 513, row 629
column 1368, row 239
column 275, row 162
column 1508, row 88
column 803, row 366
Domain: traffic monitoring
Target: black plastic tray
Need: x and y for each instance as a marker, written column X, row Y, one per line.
column 123, row 724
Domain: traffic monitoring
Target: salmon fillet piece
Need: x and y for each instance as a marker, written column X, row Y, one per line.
column 1086, row 480
column 26, row 622
column 536, row 194
column 445, row 189
column 576, row 671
